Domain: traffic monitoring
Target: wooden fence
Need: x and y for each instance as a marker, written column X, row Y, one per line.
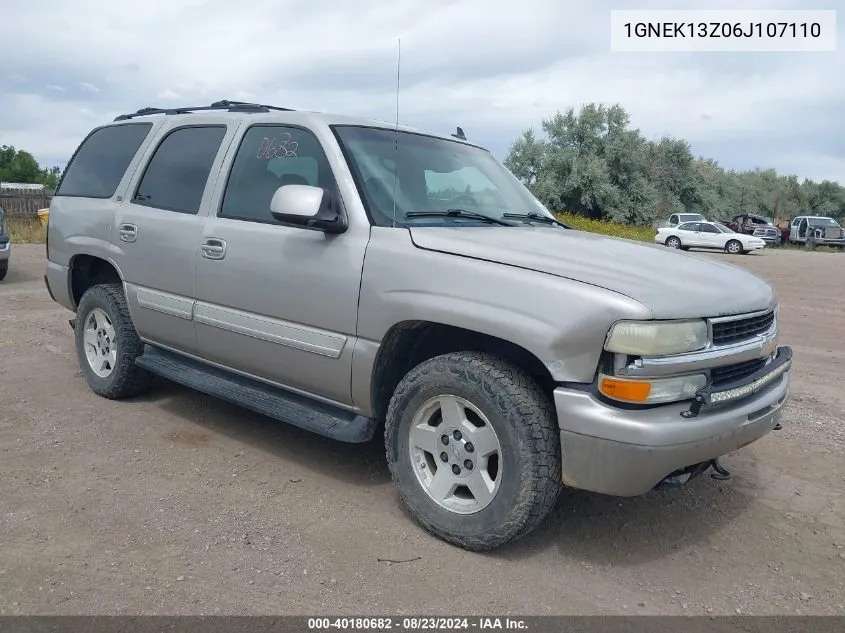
column 17, row 203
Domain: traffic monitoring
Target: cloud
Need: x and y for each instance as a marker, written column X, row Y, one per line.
column 491, row 66
column 54, row 87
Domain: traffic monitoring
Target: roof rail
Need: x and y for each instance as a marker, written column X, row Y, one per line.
column 229, row 106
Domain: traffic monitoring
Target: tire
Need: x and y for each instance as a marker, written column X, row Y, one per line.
column 673, row 242
column 734, row 247
column 525, row 474
column 104, row 330
column 4, row 268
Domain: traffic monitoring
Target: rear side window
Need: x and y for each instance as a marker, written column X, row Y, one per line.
column 176, row 175
column 98, row 166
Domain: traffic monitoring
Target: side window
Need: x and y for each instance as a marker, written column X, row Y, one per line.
column 176, row 175
column 269, row 157
column 688, row 226
column 98, row 166
column 709, row 228
column 673, row 219
column 796, row 221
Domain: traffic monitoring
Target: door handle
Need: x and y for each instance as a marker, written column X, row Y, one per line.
column 213, row 248
column 128, row 232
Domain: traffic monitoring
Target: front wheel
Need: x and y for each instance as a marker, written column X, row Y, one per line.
column 107, row 344
column 673, row 242
column 473, row 446
column 734, row 247
column 4, row 268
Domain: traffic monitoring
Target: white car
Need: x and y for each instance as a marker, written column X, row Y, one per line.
column 708, row 235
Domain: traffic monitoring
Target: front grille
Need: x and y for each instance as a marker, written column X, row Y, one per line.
column 737, row 371
column 734, row 331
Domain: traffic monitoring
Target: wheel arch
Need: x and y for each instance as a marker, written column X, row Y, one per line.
column 411, row 342
column 86, row 270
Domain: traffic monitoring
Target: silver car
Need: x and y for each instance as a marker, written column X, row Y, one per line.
column 352, row 277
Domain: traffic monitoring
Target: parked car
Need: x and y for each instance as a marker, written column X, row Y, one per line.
column 824, row 231
column 5, row 246
column 709, row 235
column 305, row 266
column 758, row 226
column 679, row 218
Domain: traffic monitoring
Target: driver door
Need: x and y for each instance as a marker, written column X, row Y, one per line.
column 793, row 229
column 278, row 303
column 710, row 236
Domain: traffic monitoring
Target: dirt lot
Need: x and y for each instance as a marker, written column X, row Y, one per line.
column 177, row 503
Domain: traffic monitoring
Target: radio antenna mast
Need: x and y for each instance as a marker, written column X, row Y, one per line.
column 396, row 131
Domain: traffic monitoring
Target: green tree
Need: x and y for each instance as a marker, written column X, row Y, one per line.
column 592, row 162
column 17, row 165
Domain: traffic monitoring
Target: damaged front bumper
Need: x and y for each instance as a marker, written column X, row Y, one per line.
column 627, row 452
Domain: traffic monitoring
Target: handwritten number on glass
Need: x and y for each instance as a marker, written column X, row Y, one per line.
column 282, row 147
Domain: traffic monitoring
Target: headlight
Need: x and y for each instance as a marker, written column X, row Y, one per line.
column 656, row 338
column 654, row 391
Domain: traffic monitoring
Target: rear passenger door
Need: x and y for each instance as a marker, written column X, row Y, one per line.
column 689, row 234
column 156, row 229
column 278, row 302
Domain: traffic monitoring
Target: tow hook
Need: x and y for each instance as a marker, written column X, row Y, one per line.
column 722, row 474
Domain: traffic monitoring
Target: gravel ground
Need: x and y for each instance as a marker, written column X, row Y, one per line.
column 176, row 503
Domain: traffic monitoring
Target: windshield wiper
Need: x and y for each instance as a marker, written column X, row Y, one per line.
column 457, row 213
column 536, row 217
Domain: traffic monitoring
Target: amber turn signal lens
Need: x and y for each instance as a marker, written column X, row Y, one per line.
column 628, row 390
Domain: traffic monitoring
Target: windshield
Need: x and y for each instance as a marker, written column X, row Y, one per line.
column 822, row 221
column 723, row 228
column 691, row 217
column 432, row 175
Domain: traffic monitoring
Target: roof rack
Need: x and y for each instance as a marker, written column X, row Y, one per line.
column 229, row 106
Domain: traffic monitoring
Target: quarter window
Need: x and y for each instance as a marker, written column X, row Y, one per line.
column 177, row 173
column 97, row 167
column 269, row 157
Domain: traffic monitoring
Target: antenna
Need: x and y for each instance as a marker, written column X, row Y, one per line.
column 396, row 131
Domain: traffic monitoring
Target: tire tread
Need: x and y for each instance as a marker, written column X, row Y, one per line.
column 130, row 380
column 515, row 391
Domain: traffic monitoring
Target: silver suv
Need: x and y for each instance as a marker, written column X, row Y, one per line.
column 5, row 245
column 352, row 277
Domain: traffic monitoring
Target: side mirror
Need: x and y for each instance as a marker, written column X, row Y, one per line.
column 307, row 207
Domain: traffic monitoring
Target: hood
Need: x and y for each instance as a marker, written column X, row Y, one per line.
column 671, row 283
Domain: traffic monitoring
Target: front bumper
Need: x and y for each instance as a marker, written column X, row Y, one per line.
column 626, row 453
column 5, row 250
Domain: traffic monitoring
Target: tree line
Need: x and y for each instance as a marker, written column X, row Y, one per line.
column 19, row 166
column 593, row 163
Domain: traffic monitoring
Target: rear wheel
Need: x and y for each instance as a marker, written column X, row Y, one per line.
column 734, row 247
column 4, row 268
column 474, row 449
column 673, row 242
column 107, row 344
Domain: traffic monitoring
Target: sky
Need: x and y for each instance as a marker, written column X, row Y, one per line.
column 493, row 67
